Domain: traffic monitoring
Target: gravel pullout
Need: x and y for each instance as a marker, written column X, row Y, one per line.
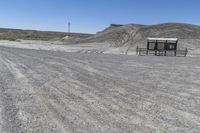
column 58, row 92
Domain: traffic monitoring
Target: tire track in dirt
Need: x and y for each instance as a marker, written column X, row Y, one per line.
column 107, row 112
column 82, row 94
column 21, row 112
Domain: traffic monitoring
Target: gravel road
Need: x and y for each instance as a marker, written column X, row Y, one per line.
column 58, row 92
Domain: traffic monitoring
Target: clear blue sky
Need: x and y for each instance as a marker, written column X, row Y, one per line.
column 94, row 15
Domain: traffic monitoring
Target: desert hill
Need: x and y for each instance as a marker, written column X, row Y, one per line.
column 127, row 37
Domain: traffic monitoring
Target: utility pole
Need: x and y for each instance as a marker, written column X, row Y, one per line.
column 69, row 28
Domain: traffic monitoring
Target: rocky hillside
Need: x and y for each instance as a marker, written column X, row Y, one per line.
column 132, row 35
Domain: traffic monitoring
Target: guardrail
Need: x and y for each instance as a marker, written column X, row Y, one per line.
column 145, row 51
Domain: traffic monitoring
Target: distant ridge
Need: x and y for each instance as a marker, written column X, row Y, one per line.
column 14, row 34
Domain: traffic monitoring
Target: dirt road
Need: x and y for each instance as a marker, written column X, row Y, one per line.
column 57, row 92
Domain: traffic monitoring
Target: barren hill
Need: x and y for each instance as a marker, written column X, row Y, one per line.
column 132, row 35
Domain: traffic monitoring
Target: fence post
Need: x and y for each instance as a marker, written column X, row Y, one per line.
column 139, row 51
column 186, row 52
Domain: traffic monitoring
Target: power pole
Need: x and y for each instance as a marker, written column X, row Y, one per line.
column 69, row 28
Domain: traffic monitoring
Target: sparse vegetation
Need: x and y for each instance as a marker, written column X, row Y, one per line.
column 14, row 34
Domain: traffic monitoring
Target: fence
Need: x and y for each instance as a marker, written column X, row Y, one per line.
column 145, row 51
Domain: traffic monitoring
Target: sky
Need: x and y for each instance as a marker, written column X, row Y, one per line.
column 91, row 16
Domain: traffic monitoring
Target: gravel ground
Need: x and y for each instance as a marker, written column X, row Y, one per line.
column 58, row 92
